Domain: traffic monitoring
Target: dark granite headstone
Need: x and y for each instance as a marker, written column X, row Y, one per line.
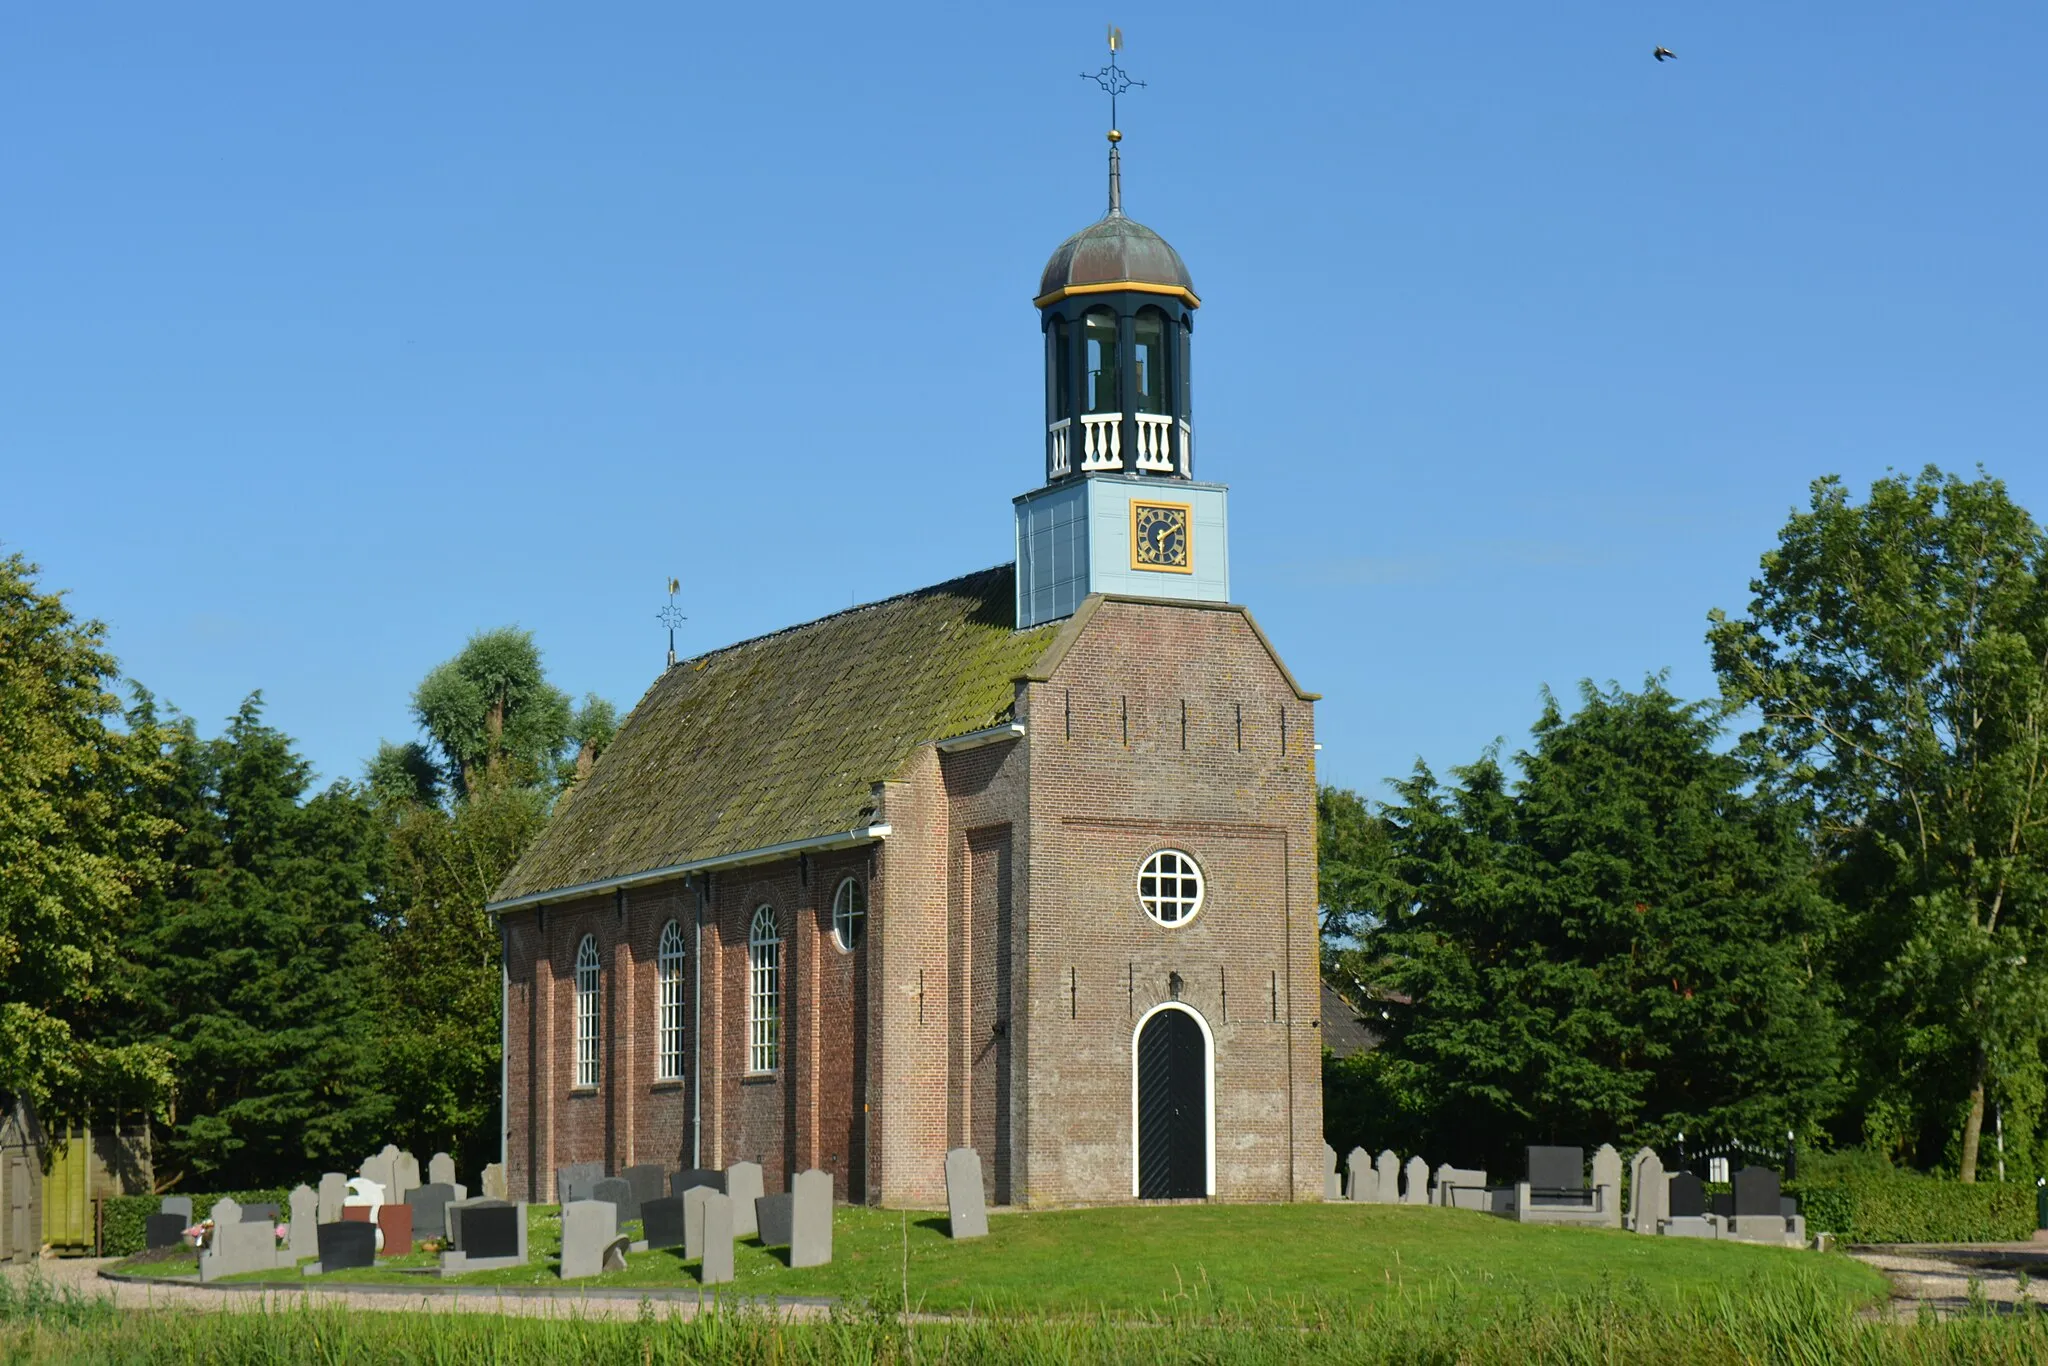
column 774, row 1215
column 1557, row 1168
column 176, row 1204
column 661, row 1221
column 430, row 1210
column 648, row 1181
column 490, row 1230
column 695, row 1176
column 1688, row 1197
column 345, row 1245
column 453, row 1216
column 164, row 1230
column 1756, row 1193
column 618, row 1192
column 258, row 1214
column 1788, row 1207
column 1722, row 1205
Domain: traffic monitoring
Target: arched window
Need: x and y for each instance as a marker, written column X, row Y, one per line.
column 849, row 915
column 1148, row 337
column 1170, row 887
column 764, row 999
column 669, row 1027
column 1099, row 327
column 587, row 970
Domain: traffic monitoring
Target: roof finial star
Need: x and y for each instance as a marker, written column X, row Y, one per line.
column 1114, row 81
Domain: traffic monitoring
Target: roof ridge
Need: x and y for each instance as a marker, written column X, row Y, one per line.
column 858, row 608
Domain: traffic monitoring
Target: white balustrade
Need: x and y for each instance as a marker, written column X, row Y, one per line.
column 1059, row 432
column 1187, row 449
column 1102, row 441
column 1155, row 442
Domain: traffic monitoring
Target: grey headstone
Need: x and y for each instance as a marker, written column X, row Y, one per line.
column 661, row 1220
column 577, row 1181
column 619, row 1192
column 1388, row 1168
column 1688, row 1197
column 1648, row 1192
column 440, row 1170
column 649, row 1182
column 163, row 1230
column 588, row 1228
column 1607, row 1167
column 333, row 1193
column 305, row 1237
column 810, row 1226
column 238, row 1244
column 494, row 1187
column 773, row 1215
column 743, row 1185
column 1415, row 1191
column 430, row 1209
column 614, row 1258
column 1333, row 1185
column 1361, row 1181
column 693, row 1219
column 1756, row 1193
column 695, row 1176
column 405, row 1173
column 966, row 1199
column 255, row 1214
column 342, row 1246
column 1556, row 1169
column 176, row 1204
column 379, row 1167
column 717, row 1265
column 1461, row 1187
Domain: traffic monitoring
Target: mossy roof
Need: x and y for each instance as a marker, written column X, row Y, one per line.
column 783, row 738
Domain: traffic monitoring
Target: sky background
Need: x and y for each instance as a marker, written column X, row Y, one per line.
column 328, row 338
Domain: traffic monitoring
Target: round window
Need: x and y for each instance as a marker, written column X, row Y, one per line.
column 1170, row 887
column 849, row 915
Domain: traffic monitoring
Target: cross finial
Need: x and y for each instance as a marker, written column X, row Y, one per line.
column 1114, row 81
column 672, row 616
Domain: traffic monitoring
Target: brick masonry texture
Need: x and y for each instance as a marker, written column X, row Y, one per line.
column 1007, row 961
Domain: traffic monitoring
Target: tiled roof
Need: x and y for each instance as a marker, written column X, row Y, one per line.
column 782, row 738
column 1345, row 1030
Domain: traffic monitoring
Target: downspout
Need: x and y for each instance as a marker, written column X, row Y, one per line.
column 697, row 1029
column 505, row 1047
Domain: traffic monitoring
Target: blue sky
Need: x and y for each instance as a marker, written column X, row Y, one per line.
column 329, row 338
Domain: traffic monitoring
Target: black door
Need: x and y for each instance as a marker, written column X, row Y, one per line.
column 1172, row 1112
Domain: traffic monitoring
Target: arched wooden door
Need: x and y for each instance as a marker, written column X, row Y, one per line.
column 1173, row 1107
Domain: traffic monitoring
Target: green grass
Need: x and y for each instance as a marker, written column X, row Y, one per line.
column 1139, row 1258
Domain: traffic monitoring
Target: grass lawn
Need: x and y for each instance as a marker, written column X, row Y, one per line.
column 1153, row 1257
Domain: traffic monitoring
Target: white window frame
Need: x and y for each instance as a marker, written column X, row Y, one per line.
column 669, row 958
column 849, row 915
column 589, row 971
column 764, row 993
column 1164, row 889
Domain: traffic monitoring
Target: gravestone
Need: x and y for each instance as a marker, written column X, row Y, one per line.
column 966, row 1200
column 440, row 1170
column 618, row 1192
column 256, row 1214
column 693, row 1219
column 649, row 1182
column 163, row 1230
column 575, row 1182
column 1722, row 1204
column 333, row 1194
column 1333, row 1185
column 382, row 1167
column 810, row 1224
column 1388, row 1168
column 661, row 1221
column 1607, row 1182
column 494, row 1182
column 1416, row 1190
column 1460, row 1187
column 1362, row 1182
column 305, row 1238
column 1757, row 1194
column 1648, row 1192
column 1688, row 1197
column 176, row 1204
column 459, row 1211
column 405, row 1175
column 238, row 1245
column 1552, row 1170
column 345, row 1246
column 430, row 1209
column 743, row 1185
column 695, row 1176
column 486, row 1235
column 772, row 1218
column 363, row 1191
column 588, row 1228
column 395, row 1222
column 716, row 1268
column 614, row 1258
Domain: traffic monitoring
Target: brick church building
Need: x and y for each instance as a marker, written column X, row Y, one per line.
column 1023, row 861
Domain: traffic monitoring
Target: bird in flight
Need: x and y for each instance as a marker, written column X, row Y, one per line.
column 1661, row 53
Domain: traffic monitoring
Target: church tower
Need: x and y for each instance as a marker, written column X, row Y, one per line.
column 1121, row 511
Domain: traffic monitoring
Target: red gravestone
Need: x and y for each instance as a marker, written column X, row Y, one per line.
column 396, row 1221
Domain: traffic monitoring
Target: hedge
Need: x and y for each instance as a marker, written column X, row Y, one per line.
column 127, row 1216
column 1905, row 1207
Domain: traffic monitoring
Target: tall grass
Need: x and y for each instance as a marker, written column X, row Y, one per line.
column 1757, row 1323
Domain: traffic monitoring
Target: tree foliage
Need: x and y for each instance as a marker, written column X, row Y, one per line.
column 492, row 714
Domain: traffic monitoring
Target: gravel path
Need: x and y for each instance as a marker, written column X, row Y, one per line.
column 1939, row 1276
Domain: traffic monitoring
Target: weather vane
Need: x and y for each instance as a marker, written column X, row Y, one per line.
column 672, row 616
column 1113, row 78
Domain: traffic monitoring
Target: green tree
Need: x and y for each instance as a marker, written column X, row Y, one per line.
column 493, row 715
column 1897, row 651
column 1623, row 943
column 77, row 846
column 1352, row 863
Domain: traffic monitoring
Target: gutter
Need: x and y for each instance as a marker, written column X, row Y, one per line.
column 975, row 739
column 846, row 839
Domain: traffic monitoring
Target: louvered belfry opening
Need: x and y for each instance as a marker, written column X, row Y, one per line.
column 1172, row 1109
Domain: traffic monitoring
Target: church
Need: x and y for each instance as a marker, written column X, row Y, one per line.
column 1023, row 861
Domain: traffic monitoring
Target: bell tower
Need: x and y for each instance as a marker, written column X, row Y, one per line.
column 1120, row 511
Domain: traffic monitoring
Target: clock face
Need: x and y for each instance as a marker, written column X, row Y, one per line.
column 1161, row 537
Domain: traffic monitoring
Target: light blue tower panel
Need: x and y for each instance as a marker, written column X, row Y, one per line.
column 1074, row 538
